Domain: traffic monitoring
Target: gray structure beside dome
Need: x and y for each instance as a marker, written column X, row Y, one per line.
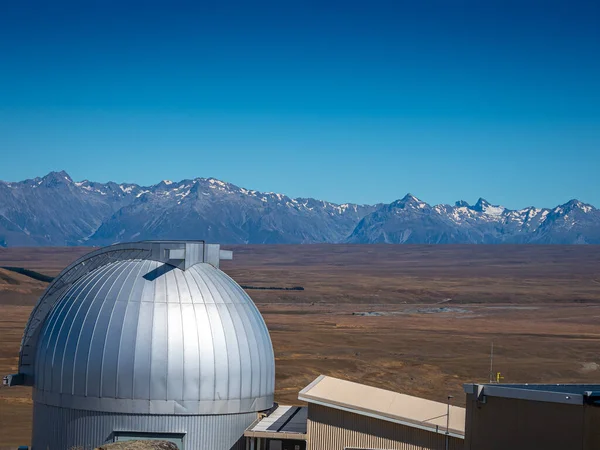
column 148, row 337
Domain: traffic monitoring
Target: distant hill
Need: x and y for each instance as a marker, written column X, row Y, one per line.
column 55, row 210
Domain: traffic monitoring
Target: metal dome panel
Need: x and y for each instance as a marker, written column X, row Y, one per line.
column 181, row 254
column 143, row 336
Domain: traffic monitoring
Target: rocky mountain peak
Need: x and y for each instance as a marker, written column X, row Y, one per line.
column 54, row 178
column 481, row 204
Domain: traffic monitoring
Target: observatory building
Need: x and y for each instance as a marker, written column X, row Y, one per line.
column 146, row 340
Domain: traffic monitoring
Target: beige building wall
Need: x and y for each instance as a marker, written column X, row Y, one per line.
column 504, row 423
column 333, row 429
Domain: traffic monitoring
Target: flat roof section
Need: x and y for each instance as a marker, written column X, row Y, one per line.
column 572, row 394
column 285, row 422
column 384, row 405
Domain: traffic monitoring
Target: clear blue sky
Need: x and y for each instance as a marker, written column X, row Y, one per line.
column 345, row 101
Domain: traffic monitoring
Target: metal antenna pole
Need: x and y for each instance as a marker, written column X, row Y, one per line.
column 448, row 423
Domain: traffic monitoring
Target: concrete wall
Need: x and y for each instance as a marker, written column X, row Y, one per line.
column 504, row 423
column 332, row 429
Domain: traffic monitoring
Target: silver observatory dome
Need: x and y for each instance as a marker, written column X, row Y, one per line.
column 148, row 338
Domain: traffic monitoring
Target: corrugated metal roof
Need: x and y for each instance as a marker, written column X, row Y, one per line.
column 285, row 419
column 383, row 404
column 285, row 422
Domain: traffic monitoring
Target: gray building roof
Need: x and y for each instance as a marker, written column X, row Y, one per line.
column 571, row 394
column 285, row 422
column 155, row 329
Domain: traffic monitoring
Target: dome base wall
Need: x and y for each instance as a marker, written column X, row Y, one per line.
column 64, row 428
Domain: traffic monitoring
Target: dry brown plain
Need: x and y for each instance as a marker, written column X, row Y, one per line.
column 434, row 310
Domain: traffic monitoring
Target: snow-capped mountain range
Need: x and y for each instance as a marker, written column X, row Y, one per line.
column 412, row 221
column 55, row 210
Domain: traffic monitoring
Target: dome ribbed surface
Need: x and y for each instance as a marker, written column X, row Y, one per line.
column 141, row 336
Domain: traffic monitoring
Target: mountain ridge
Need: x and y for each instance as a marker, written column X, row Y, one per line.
column 55, row 210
